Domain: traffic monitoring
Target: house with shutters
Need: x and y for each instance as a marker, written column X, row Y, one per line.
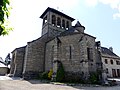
column 111, row 62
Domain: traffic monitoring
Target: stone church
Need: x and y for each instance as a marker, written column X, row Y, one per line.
column 60, row 41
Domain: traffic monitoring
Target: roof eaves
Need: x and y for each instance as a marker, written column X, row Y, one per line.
column 108, row 52
column 56, row 11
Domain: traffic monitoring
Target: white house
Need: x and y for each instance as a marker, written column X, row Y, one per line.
column 111, row 62
column 3, row 67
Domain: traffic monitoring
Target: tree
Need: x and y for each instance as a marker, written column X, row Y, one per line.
column 4, row 14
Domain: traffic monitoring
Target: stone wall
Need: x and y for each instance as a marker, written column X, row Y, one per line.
column 3, row 70
column 17, row 61
column 73, row 76
column 74, row 60
column 90, row 43
column 12, row 64
column 34, row 57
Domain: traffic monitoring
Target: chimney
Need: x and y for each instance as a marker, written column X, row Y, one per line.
column 111, row 49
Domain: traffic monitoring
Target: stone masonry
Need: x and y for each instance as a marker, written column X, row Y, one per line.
column 60, row 41
column 17, row 61
column 78, row 61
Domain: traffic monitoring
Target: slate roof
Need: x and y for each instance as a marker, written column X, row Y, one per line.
column 72, row 29
column 78, row 24
column 108, row 52
column 18, row 48
column 57, row 12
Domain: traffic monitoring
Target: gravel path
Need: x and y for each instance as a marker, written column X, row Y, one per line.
column 7, row 83
column 25, row 85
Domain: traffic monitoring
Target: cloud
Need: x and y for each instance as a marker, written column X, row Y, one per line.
column 91, row 3
column 116, row 15
column 114, row 4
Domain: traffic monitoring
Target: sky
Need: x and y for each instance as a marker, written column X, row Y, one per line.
column 101, row 19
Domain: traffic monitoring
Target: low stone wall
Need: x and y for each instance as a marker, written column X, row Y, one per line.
column 31, row 75
column 73, row 76
column 3, row 70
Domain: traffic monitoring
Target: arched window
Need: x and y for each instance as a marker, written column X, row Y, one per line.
column 45, row 20
column 111, row 61
column 67, row 24
column 58, row 22
column 90, row 54
column 106, row 61
column 53, row 20
column 63, row 23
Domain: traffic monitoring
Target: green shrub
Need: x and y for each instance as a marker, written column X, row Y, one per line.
column 45, row 75
column 93, row 78
column 60, row 73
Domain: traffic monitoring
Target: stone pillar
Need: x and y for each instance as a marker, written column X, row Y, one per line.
column 70, row 24
column 100, row 67
column 49, row 18
column 85, row 71
column 56, row 20
column 55, row 68
column 55, row 60
column 25, row 60
column 14, row 70
column 12, row 67
column 84, row 60
column 104, row 78
column 65, row 23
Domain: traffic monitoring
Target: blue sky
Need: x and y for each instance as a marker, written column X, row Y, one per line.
column 100, row 17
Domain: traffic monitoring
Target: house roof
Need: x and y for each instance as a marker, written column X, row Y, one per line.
column 57, row 12
column 2, row 64
column 78, row 24
column 18, row 48
column 108, row 52
column 71, row 31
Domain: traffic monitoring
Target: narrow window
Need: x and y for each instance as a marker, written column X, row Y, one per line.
column 117, row 62
column 114, row 72
column 58, row 22
column 107, row 70
column 70, row 52
column 67, row 25
column 118, row 72
column 90, row 54
column 63, row 23
column 53, row 20
column 45, row 20
column 106, row 61
column 111, row 61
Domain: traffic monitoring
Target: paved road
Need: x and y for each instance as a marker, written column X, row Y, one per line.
column 17, row 84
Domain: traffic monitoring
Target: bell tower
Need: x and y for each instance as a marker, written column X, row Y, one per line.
column 55, row 22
